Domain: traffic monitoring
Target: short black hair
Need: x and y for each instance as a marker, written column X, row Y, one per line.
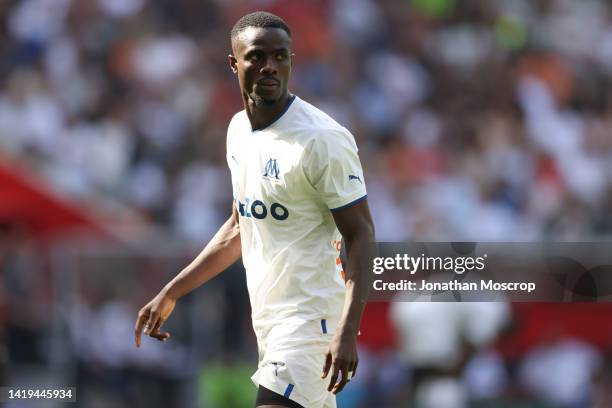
column 261, row 19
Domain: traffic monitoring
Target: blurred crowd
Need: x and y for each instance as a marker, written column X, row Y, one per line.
column 483, row 120
column 491, row 110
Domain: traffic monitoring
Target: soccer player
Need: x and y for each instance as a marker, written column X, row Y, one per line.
column 298, row 189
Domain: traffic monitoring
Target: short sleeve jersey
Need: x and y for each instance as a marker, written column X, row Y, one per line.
column 287, row 179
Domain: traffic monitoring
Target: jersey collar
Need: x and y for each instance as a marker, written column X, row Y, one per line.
column 280, row 115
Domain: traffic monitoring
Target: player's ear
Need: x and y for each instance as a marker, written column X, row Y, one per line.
column 233, row 63
column 292, row 57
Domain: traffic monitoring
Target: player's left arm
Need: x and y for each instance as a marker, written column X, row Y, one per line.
column 356, row 226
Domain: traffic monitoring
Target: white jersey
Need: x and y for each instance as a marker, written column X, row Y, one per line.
column 287, row 179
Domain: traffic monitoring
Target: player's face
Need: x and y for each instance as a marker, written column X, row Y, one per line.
column 262, row 60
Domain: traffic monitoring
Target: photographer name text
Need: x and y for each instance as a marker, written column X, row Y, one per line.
column 453, row 285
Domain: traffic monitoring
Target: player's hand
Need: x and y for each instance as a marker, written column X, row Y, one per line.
column 342, row 360
column 152, row 316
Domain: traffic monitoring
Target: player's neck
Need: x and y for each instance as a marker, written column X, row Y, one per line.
column 262, row 116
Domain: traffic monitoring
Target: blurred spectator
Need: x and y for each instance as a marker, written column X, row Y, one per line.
column 561, row 372
column 438, row 340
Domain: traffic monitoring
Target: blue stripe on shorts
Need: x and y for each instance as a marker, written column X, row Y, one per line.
column 288, row 391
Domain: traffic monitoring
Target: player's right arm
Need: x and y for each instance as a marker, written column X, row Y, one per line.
column 222, row 251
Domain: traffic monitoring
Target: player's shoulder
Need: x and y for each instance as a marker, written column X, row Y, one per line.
column 237, row 120
column 317, row 126
column 311, row 117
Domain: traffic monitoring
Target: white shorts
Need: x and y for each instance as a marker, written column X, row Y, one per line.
column 291, row 360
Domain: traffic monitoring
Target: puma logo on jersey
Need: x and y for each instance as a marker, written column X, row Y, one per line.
column 353, row 177
column 271, row 170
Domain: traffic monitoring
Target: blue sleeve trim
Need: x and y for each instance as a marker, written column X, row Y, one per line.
column 360, row 199
column 324, row 326
column 288, row 391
